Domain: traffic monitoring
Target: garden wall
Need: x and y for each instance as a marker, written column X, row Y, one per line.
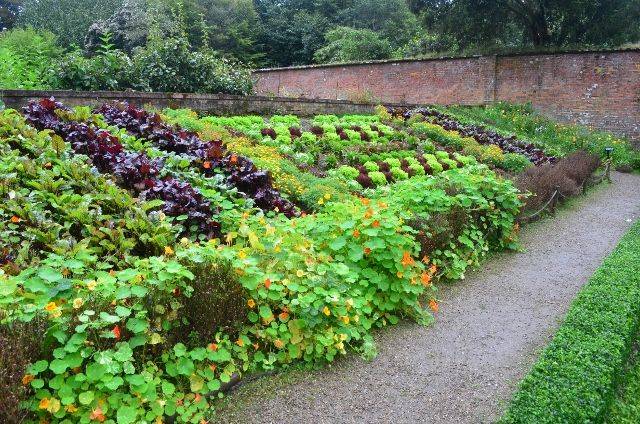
column 213, row 104
column 601, row 89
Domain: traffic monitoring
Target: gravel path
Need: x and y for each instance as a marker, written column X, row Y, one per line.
column 465, row 367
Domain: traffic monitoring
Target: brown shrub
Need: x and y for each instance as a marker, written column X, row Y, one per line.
column 218, row 302
column 20, row 345
column 579, row 166
column 567, row 175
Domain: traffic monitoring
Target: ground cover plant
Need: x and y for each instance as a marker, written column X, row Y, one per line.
column 119, row 239
column 576, row 376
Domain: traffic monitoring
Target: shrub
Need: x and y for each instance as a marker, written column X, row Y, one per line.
column 568, row 175
column 172, row 65
column 574, row 379
column 21, row 344
column 219, row 302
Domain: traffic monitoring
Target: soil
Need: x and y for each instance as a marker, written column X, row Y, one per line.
column 487, row 335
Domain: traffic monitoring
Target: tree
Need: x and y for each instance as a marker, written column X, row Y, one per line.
column 392, row 19
column 539, row 23
column 234, row 27
column 68, row 19
column 9, row 10
column 349, row 44
column 292, row 36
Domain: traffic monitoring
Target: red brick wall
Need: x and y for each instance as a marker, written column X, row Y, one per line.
column 601, row 89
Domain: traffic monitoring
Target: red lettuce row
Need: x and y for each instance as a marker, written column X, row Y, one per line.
column 479, row 133
column 133, row 171
column 210, row 156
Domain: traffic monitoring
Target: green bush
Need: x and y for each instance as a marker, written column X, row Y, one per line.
column 171, row 65
column 574, row 380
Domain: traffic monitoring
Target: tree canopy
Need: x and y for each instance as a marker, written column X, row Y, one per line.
column 293, row 32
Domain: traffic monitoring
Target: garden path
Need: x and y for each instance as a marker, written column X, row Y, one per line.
column 490, row 328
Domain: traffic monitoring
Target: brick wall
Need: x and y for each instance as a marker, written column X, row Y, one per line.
column 600, row 89
column 211, row 104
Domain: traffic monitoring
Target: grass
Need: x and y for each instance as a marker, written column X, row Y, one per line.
column 576, row 377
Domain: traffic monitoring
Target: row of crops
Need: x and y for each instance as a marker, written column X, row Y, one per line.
column 149, row 260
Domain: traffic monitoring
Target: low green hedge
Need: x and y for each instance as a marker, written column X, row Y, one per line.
column 575, row 378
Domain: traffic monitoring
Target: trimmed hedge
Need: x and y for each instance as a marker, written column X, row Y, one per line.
column 575, row 378
column 626, row 408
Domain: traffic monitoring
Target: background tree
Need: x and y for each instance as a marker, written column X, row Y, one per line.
column 350, row 44
column 9, row 10
column 68, row 19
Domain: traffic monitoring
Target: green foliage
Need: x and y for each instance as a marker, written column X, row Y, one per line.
column 345, row 44
column 574, row 380
column 68, row 19
column 26, row 55
column 626, row 408
column 171, row 65
column 553, row 137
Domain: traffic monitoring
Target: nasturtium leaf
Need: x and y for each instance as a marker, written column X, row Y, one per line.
column 168, row 388
column 185, row 366
column 38, row 367
column 137, row 325
column 265, row 311
column 196, row 383
column 114, row 383
column 95, row 371
column 86, row 398
column 179, row 349
column 337, row 243
column 58, row 366
column 126, row 415
column 122, row 311
column 50, row 274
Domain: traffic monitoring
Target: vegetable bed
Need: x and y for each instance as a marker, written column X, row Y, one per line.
column 148, row 260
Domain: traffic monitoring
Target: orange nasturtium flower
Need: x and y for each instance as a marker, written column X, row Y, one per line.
column 283, row 316
column 367, row 250
column 368, row 213
column 168, row 251
column 375, row 224
column 407, row 259
column 426, row 279
column 212, row 347
column 97, row 415
column 28, row 378
column 251, row 303
column 116, row 332
column 326, row 311
column 267, row 283
column 206, row 165
column 365, row 201
column 356, row 233
column 44, row 403
column 15, row 219
column 433, row 269
column 278, row 343
column 239, row 342
column 50, row 307
column 434, row 305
